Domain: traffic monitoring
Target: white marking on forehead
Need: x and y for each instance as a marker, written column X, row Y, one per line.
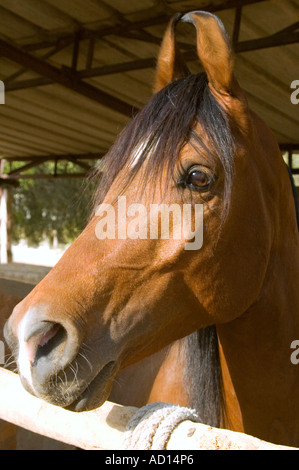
column 137, row 152
column 139, row 149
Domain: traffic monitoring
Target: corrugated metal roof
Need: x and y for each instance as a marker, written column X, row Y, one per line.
column 41, row 117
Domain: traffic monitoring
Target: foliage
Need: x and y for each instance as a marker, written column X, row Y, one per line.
column 43, row 208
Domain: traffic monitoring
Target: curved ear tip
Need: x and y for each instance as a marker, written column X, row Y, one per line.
column 198, row 18
column 188, row 17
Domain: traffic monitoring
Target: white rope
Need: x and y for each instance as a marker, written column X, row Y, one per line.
column 151, row 426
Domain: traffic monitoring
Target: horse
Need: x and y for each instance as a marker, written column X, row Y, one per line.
column 131, row 314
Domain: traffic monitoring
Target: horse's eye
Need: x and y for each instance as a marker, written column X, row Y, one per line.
column 199, row 180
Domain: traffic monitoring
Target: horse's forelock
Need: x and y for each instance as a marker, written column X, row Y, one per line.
column 159, row 131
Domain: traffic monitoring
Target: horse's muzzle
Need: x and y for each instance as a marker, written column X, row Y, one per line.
column 42, row 348
column 52, row 363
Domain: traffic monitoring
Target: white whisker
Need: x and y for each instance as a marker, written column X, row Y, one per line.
column 88, row 362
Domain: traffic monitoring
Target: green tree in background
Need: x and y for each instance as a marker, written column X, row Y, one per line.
column 42, row 208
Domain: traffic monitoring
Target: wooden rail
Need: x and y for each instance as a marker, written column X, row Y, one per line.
column 103, row 428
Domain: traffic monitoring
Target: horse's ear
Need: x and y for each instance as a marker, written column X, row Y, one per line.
column 170, row 64
column 214, row 50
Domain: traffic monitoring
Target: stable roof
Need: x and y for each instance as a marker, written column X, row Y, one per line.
column 76, row 70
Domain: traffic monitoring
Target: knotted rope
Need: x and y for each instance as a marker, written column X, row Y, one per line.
column 151, row 426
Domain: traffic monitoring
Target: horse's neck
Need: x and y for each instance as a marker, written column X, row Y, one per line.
column 256, row 348
column 159, row 377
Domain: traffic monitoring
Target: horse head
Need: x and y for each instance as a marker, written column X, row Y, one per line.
column 124, row 290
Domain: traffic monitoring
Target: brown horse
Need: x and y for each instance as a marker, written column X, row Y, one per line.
column 115, row 310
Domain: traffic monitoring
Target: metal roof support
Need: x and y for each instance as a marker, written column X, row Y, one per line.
column 76, row 46
column 63, row 157
column 237, row 25
column 288, row 35
column 290, row 149
column 124, row 27
column 80, row 160
column 68, row 80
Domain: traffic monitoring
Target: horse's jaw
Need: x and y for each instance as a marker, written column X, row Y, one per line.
column 97, row 391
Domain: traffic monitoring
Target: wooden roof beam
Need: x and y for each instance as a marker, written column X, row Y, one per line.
column 289, row 35
column 289, row 146
column 124, row 27
column 41, row 176
column 68, row 80
column 50, row 158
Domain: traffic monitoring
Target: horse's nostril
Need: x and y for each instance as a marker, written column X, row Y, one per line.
column 42, row 339
column 50, row 343
column 48, row 335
